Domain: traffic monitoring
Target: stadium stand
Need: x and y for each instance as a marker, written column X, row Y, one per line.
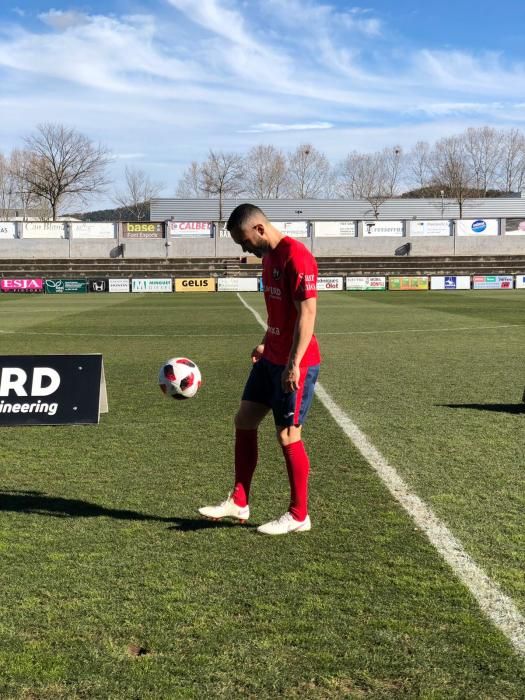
column 235, row 267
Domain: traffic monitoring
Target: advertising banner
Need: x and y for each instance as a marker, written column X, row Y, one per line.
column 186, row 229
column 493, row 281
column 513, row 227
column 101, row 229
column 7, row 229
column 27, row 286
column 195, row 284
column 119, row 285
column 430, row 228
column 43, row 229
column 144, row 229
column 332, row 229
column 329, row 284
column 383, row 228
column 408, row 284
column 152, row 285
column 477, row 227
column 66, row 286
column 364, row 284
column 450, row 282
column 52, row 389
column 294, row 229
column 98, row 285
column 237, row 284
column 520, row 281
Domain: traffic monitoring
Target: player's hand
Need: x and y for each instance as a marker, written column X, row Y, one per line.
column 290, row 378
column 257, row 353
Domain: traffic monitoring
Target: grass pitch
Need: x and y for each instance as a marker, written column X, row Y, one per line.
column 103, row 552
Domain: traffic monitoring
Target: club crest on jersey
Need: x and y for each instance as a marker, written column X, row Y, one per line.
column 276, row 273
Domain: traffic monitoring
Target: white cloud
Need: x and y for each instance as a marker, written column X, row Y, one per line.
column 101, row 52
column 267, row 127
column 228, row 74
column 57, row 19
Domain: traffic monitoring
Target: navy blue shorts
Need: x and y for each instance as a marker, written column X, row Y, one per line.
column 264, row 386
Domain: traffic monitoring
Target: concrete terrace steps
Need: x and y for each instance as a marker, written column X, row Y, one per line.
column 217, row 267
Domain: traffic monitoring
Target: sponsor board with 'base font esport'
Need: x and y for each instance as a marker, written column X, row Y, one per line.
column 52, row 389
column 195, row 284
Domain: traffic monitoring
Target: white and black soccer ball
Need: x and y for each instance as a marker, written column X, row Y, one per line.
column 179, row 378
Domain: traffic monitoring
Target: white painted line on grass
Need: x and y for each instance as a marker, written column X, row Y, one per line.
column 245, row 335
column 132, row 335
column 496, row 605
column 426, row 330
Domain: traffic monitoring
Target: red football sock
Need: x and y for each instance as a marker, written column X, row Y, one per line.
column 298, row 466
column 245, row 463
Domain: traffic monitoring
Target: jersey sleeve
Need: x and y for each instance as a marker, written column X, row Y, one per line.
column 302, row 271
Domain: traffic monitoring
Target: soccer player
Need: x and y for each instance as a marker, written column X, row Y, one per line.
column 284, row 371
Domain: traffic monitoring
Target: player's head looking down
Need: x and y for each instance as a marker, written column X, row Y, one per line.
column 249, row 228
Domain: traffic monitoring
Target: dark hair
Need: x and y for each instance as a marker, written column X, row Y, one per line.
column 241, row 214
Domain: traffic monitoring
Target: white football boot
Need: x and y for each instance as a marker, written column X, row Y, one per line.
column 226, row 509
column 285, row 524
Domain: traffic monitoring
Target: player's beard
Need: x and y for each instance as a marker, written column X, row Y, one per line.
column 263, row 249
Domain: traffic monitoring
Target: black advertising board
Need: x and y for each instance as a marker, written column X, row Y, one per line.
column 52, row 389
column 98, row 285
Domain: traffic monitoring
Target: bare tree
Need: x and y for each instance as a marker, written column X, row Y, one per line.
column 7, row 188
column 511, row 176
column 139, row 190
column 222, row 174
column 308, row 173
column 21, row 161
column 451, row 170
column 189, row 185
column 483, row 148
column 265, row 169
column 418, row 165
column 371, row 176
column 391, row 167
column 64, row 165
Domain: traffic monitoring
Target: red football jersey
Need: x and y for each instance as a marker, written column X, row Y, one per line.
column 289, row 274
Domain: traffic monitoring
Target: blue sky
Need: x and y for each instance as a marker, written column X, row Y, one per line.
column 161, row 82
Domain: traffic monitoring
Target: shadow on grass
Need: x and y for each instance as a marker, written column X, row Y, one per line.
column 39, row 503
column 191, row 524
column 497, row 407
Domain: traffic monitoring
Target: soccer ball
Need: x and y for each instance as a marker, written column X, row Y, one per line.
column 179, row 378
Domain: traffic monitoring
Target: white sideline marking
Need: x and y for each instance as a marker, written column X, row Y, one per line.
column 132, row 335
column 244, row 335
column 496, row 605
column 426, row 330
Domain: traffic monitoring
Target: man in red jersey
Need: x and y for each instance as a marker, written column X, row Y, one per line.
column 284, row 372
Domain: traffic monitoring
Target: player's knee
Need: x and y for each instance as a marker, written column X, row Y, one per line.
column 288, row 435
column 243, row 421
column 239, row 421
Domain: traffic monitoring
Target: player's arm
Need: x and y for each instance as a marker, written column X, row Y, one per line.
column 303, row 332
column 258, row 350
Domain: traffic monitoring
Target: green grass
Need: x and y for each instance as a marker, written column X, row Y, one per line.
column 102, row 548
